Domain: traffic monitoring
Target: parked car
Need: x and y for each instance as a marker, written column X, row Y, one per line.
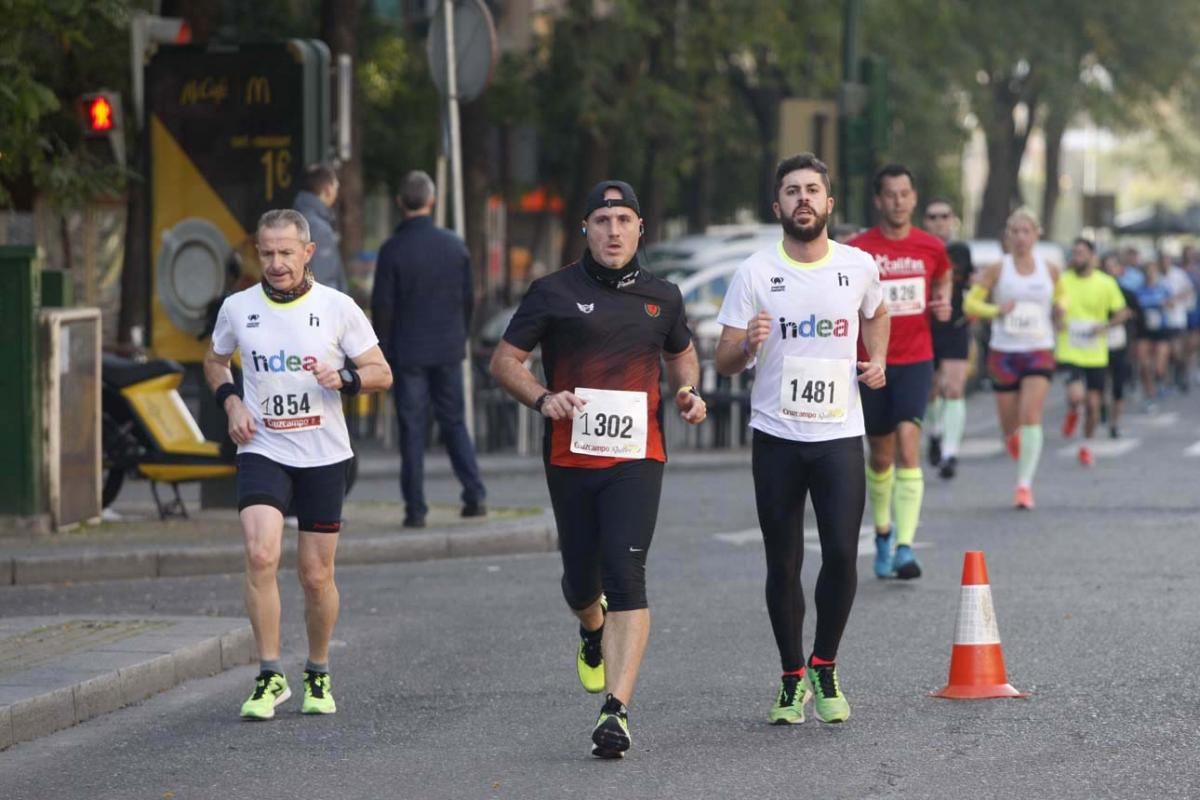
column 689, row 254
column 985, row 252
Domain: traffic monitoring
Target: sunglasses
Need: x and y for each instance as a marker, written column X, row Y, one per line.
column 937, row 215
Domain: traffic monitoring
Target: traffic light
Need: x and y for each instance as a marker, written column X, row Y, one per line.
column 100, row 114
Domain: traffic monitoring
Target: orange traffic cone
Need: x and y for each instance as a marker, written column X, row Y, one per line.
column 977, row 663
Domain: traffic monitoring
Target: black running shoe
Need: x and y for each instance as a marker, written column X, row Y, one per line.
column 948, row 468
column 935, row 450
column 610, row 737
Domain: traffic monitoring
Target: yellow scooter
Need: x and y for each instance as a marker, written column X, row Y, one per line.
column 148, row 432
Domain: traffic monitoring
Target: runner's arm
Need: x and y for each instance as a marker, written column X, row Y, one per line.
column 876, row 331
column 509, row 370
column 683, row 373
column 373, row 370
column 975, row 304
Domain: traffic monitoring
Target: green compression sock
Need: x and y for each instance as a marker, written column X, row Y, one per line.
column 910, row 488
column 1031, row 451
column 879, row 488
column 935, row 416
column 954, row 418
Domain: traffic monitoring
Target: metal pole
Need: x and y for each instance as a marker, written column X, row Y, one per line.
column 457, row 194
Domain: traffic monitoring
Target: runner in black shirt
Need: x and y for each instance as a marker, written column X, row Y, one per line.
column 604, row 324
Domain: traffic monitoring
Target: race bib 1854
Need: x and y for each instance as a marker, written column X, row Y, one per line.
column 290, row 401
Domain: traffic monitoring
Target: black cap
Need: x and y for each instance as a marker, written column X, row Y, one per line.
column 596, row 199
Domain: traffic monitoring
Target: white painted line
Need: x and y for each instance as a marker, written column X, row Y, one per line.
column 747, row 536
column 980, row 448
column 1158, row 420
column 1193, row 451
column 812, row 541
column 1101, row 448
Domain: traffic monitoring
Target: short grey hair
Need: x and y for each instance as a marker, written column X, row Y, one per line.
column 416, row 190
column 283, row 217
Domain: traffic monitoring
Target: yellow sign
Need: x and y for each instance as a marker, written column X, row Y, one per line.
column 207, row 90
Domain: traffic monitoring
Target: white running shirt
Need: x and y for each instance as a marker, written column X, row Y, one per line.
column 297, row 422
column 806, row 378
column 1030, row 325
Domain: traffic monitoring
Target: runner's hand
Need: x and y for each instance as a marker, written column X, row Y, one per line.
column 691, row 407
column 757, row 332
column 872, row 374
column 241, row 424
column 1007, row 308
column 940, row 309
column 327, row 376
column 562, row 405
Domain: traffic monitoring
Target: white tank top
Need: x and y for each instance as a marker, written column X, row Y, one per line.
column 1029, row 326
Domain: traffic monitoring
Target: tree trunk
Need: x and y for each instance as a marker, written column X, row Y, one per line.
column 474, row 128
column 1002, row 171
column 1053, row 129
column 593, row 170
column 339, row 24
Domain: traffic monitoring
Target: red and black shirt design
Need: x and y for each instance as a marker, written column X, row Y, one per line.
column 597, row 336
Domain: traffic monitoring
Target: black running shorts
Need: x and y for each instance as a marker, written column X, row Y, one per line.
column 317, row 491
column 605, row 519
column 903, row 399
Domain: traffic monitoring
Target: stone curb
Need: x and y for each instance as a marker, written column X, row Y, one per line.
column 77, row 688
column 535, row 534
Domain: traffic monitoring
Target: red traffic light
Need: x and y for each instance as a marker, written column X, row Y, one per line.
column 99, row 110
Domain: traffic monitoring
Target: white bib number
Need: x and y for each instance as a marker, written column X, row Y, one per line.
column 1117, row 338
column 1027, row 320
column 1154, row 319
column 290, row 402
column 815, row 389
column 1081, row 334
column 905, row 296
column 612, row 424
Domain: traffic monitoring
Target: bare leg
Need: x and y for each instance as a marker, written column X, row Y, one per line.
column 262, row 528
column 321, row 601
column 625, row 636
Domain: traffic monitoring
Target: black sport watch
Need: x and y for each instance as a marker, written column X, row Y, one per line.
column 351, row 381
column 541, row 401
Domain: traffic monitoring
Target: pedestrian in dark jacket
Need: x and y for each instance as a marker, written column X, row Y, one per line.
column 316, row 202
column 421, row 307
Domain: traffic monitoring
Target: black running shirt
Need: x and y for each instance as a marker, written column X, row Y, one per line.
column 598, row 337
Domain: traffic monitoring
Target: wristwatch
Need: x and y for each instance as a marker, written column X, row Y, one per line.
column 351, row 382
column 541, row 401
column 689, row 389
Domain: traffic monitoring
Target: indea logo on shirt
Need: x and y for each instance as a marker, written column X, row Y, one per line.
column 813, row 328
column 281, row 362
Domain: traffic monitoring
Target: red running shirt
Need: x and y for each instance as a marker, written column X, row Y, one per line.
column 908, row 268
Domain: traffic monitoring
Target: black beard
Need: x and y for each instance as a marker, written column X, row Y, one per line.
column 804, row 233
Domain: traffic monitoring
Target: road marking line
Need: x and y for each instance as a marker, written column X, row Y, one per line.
column 812, row 541
column 980, row 448
column 1101, row 448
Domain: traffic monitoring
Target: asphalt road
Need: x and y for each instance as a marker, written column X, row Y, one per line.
column 455, row 679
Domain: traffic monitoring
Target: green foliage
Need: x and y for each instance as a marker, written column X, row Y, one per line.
column 51, row 51
column 400, row 106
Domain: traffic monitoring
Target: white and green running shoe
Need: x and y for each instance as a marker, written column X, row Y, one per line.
column 789, row 705
column 829, row 704
column 317, row 697
column 270, row 689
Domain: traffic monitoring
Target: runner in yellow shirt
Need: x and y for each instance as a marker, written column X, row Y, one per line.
column 1094, row 304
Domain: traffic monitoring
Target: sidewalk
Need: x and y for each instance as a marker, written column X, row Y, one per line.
column 141, row 546
column 56, row 672
column 378, row 463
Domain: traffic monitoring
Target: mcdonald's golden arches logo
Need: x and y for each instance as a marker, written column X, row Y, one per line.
column 258, row 92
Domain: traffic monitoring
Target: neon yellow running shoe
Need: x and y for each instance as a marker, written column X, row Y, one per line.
column 829, row 704
column 789, row 705
column 270, row 689
column 589, row 660
column 610, row 737
column 317, row 697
